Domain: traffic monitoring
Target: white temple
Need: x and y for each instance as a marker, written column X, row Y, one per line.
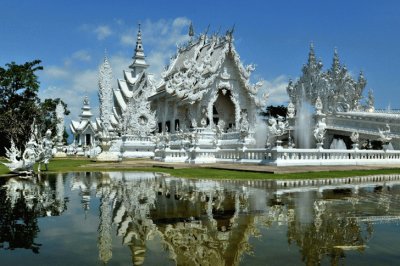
column 84, row 131
column 205, row 107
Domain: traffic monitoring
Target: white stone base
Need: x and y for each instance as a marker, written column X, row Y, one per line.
column 201, row 160
column 60, row 154
column 107, row 156
column 171, row 159
column 138, row 154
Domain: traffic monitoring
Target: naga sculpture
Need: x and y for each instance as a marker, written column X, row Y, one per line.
column 33, row 153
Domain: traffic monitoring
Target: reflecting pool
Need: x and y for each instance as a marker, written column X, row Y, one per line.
column 149, row 219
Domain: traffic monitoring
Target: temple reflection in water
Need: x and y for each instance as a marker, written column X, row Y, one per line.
column 202, row 222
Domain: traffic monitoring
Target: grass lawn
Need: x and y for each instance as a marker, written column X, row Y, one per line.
column 86, row 165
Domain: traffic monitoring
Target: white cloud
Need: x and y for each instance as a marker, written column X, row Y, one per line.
column 85, row 81
column 55, row 72
column 102, row 32
column 163, row 37
column 277, row 90
column 82, row 55
column 119, row 63
column 128, row 39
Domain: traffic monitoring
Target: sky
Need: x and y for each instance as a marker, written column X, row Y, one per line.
column 71, row 38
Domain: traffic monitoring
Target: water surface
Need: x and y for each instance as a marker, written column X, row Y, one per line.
column 149, row 219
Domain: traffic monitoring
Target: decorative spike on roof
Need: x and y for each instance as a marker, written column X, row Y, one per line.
column 191, row 30
column 311, row 55
column 139, row 63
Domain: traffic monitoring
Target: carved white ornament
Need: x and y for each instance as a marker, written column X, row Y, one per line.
column 138, row 119
column 60, row 121
column 336, row 88
column 105, row 93
column 290, row 110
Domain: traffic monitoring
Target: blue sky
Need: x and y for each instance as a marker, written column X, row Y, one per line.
column 70, row 38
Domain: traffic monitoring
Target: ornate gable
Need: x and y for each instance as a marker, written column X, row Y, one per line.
column 200, row 66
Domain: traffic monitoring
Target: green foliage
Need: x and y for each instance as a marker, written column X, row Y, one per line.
column 275, row 111
column 47, row 116
column 20, row 105
column 18, row 101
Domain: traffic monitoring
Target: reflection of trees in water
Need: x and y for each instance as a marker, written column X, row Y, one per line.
column 335, row 234
column 332, row 232
column 18, row 224
column 22, row 201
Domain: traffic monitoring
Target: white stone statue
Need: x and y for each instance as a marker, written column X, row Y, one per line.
column 354, row 137
column 25, row 164
column 13, row 153
column 276, row 128
column 320, row 130
column 370, row 102
column 221, row 126
column 244, row 126
column 279, row 128
column 290, row 110
column 45, row 152
column 318, row 106
column 384, row 135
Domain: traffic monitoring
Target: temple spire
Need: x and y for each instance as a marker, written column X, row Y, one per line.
column 86, row 113
column 336, row 62
column 139, row 63
column 311, row 55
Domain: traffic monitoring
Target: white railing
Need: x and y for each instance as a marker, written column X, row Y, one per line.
column 287, row 157
column 230, row 135
column 127, row 138
column 279, row 156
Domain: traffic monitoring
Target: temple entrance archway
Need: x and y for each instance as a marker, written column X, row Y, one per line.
column 224, row 109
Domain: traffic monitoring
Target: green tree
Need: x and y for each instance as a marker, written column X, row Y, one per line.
column 20, row 105
column 19, row 101
column 275, row 111
column 48, row 118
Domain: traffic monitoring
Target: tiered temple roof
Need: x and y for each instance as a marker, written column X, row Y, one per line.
column 136, row 83
column 85, row 121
